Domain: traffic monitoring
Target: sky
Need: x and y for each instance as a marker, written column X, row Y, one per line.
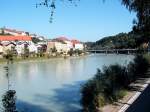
column 90, row 20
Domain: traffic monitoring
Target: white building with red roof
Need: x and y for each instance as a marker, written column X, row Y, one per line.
column 19, row 41
column 67, row 43
column 63, row 44
column 62, row 39
column 77, row 44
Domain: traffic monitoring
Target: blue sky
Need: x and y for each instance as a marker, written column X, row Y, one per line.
column 89, row 21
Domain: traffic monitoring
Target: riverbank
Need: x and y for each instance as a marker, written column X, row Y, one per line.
column 37, row 59
column 113, row 84
column 137, row 88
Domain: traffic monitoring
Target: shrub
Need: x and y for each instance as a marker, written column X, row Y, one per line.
column 137, row 68
column 9, row 101
column 110, row 85
column 89, row 92
column 120, row 94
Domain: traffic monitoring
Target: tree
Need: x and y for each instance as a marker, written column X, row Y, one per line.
column 119, row 41
column 9, row 101
column 26, row 51
column 52, row 5
column 111, row 83
column 9, row 97
column 142, row 24
column 35, row 40
column 54, row 50
column 70, row 52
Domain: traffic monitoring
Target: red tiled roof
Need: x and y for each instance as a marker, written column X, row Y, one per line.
column 75, row 41
column 14, row 38
column 62, row 39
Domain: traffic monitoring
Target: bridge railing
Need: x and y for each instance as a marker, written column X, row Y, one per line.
column 113, row 51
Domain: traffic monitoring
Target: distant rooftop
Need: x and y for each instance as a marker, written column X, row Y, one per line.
column 15, row 38
column 13, row 30
column 62, row 39
column 74, row 41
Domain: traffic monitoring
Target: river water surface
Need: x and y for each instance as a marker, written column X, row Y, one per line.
column 54, row 85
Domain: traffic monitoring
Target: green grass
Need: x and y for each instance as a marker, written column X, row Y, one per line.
column 121, row 93
column 21, row 59
column 3, row 60
column 147, row 56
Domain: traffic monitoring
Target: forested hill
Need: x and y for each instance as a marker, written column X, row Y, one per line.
column 119, row 41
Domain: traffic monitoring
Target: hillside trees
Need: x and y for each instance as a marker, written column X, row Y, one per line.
column 119, row 41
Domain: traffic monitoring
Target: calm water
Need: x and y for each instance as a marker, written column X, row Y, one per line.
column 54, row 85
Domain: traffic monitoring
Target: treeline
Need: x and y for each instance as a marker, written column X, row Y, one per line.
column 111, row 84
column 119, row 41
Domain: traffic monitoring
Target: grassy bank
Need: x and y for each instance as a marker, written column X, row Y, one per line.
column 111, row 84
column 3, row 60
column 28, row 59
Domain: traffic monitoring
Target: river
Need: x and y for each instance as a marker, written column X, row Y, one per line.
column 54, row 85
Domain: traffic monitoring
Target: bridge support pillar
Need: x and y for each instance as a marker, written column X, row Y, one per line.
column 128, row 52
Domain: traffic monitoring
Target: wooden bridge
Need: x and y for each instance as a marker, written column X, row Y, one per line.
column 116, row 51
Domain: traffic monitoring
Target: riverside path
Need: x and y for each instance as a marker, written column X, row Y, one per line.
column 142, row 103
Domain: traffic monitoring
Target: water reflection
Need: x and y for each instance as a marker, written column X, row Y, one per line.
column 54, row 85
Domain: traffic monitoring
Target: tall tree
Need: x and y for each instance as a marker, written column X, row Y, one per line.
column 9, row 97
column 142, row 23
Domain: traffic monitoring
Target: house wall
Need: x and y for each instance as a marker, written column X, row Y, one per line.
column 1, row 49
column 20, row 49
column 58, row 46
column 65, row 48
column 79, row 46
column 69, row 45
column 32, row 48
column 8, row 48
column 50, row 45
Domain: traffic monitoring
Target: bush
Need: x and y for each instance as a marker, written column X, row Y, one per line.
column 89, row 92
column 100, row 100
column 137, row 68
column 120, row 94
column 111, row 84
column 9, row 101
column 102, row 88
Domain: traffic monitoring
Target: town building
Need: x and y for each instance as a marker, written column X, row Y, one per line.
column 8, row 47
column 63, row 44
column 15, row 42
column 14, row 32
column 66, row 44
column 77, row 45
